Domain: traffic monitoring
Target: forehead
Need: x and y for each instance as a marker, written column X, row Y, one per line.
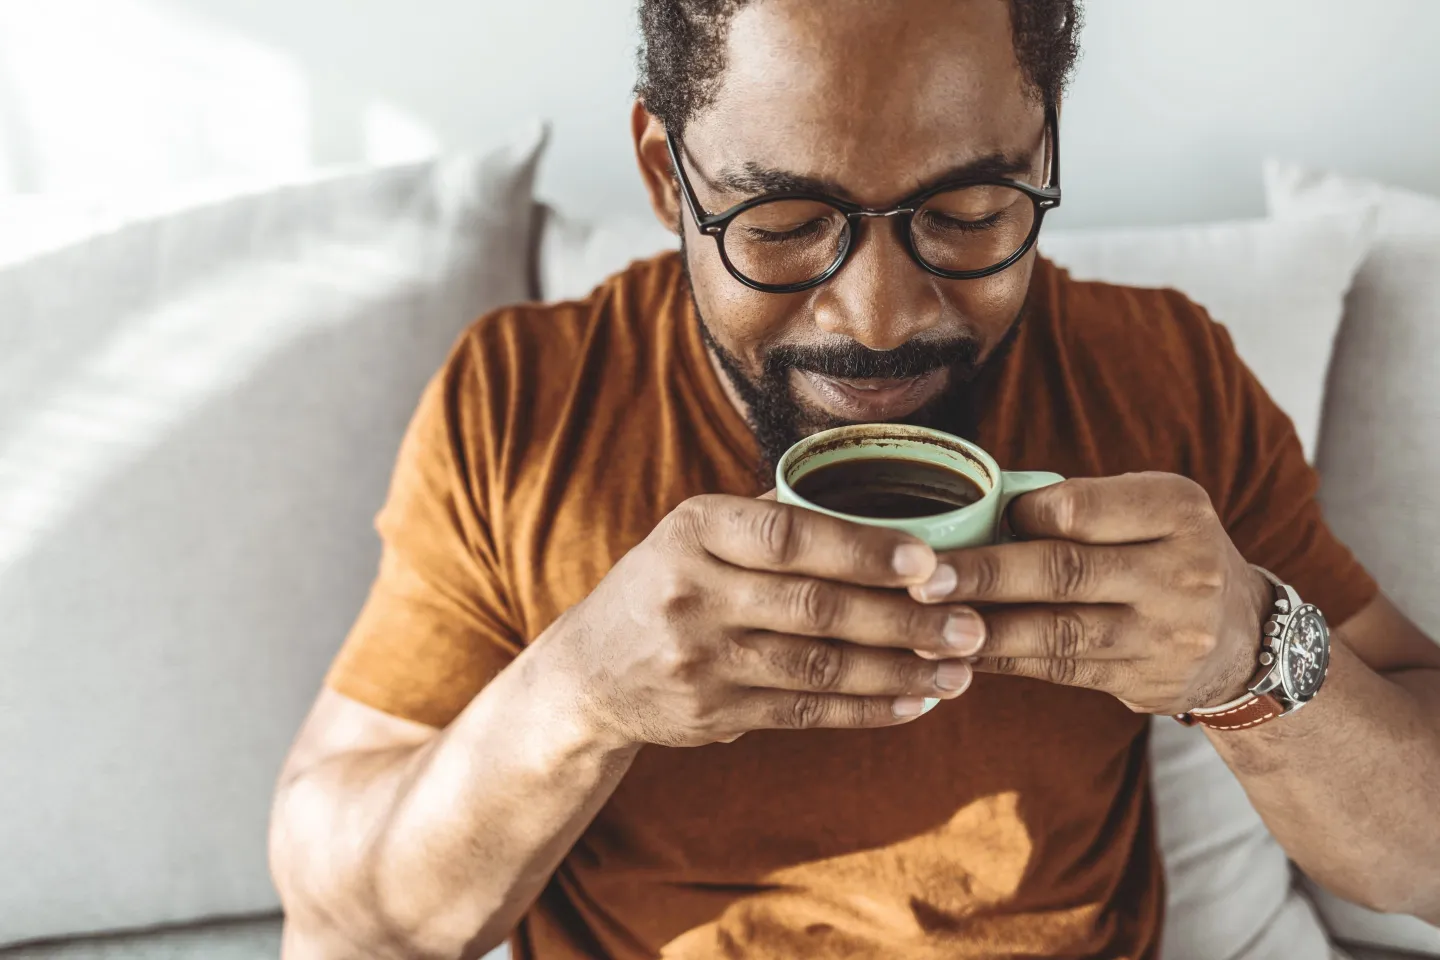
column 878, row 95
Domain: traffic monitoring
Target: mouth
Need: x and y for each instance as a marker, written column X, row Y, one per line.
column 871, row 400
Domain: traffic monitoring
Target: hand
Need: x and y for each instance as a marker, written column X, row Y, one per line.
column 1129, row 585
column 738, row 615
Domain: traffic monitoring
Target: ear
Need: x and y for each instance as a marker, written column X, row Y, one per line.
column 653, row 157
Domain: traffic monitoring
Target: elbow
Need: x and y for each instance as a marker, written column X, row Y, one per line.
column 1419, row 900
column 1407, row 895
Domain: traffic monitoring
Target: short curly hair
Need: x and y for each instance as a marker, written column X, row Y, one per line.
column 682, row 51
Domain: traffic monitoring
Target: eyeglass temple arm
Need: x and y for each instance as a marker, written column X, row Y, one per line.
column 1052, row 117
column 686, row 190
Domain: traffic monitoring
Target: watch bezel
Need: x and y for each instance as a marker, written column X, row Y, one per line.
column 1289, row 643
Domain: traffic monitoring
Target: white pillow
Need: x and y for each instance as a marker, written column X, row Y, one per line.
column 1279, row 288
column 198, row 419
column 575, row 255
column 1382, row 407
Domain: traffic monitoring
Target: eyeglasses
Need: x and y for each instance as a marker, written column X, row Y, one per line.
column 960, row 230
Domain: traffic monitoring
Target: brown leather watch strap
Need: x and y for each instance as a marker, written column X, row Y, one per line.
column 1248, row 711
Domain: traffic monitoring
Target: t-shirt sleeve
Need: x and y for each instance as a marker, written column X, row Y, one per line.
column 1269, row 504
column 436, row 626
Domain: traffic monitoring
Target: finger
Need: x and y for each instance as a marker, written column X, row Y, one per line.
column 782, row 710
column 1058, row 632
column 807, row 664
column 872, row 617
column 765, row 535
column 767, row 495
column 1127, row 509
column 1090, row 674
column 1046, row 571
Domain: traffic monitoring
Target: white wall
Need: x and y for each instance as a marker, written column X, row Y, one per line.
column 1175, row 104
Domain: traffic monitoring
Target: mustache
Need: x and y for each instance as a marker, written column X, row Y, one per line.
column 852, row 361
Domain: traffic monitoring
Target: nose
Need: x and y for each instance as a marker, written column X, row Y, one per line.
column 881, row 298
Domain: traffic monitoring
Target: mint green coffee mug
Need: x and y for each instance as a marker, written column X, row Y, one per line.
column 971, row 525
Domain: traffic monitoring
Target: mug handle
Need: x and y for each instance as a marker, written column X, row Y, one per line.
column 1014, row 483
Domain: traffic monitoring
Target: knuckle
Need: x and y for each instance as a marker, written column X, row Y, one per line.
column 821, row 666
column 671, row 659
column 815, row 605
column 1203, row 643
column 1067, row 570
column 777, row 532
column 870, row 712
column 803, row 712
column 1007, row 665
column 684, row 523
column 1068, row 505
column 981, row 577
column 1194, row 504
column 1067, row 636
column 674, row 592
column 1105, row 634
column 1063, row 672
column 1203, row 575
column 905, row 674
column 921, row 625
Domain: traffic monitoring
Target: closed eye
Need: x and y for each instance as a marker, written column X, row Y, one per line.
column 805, row 231
column 934, row 220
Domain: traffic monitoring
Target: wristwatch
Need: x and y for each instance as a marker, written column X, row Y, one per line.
column 1294, row 657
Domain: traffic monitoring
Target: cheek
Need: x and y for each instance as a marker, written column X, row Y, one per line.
column 990, row 306
column 745, row 321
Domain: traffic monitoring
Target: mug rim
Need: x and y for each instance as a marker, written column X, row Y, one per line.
column 855, row 433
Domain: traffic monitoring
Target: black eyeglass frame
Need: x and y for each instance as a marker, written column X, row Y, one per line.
column 1044, row 198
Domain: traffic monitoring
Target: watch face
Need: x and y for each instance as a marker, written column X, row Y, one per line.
column 1307, row 653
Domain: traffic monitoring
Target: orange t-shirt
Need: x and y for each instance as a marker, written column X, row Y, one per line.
column 1012, row 822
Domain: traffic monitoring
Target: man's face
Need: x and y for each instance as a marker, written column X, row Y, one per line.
column 869, row 102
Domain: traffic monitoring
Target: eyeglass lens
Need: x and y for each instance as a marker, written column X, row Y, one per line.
column 789, row 241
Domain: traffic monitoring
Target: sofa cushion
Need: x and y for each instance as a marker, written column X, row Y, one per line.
column 249, row 939
column 1380, row 443
column 199, row 415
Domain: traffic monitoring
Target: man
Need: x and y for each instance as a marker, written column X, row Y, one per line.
column 607, row 695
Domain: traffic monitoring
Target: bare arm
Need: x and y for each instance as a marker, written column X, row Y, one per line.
column 390, row 839
column 395, row 839
column 1349, row 784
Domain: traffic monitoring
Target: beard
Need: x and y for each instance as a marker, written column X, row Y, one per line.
column 779, row 419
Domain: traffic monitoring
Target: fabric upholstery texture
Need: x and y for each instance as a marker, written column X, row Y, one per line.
column 1380, row 446
column 198, row 419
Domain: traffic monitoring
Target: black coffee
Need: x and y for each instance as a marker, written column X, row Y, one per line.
column 888, row 488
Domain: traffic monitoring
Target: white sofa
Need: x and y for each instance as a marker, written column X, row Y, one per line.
column 198, row 415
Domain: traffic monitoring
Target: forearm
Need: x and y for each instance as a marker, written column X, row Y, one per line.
column 438, row 851
column 1347, row 785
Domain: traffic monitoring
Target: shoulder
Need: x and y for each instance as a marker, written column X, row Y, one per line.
column 518, row 374
column 542, row 342
column 1156, row 380
column 1158, row 334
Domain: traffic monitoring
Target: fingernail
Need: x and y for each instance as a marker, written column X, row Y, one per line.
column 940, row 585
column 912, row 559
column 953, row 676
column 908, row 706
column 965, row 632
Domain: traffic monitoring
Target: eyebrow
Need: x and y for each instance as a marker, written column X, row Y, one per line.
column 752, row 178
